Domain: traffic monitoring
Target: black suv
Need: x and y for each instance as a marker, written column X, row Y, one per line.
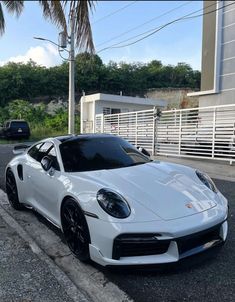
column 15, row 129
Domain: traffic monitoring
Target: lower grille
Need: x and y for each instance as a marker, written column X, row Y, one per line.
column 129, row 245
column 190, row 242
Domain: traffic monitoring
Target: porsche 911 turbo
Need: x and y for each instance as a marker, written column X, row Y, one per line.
column 113, row 203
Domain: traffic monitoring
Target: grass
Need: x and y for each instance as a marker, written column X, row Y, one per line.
column 39, row 133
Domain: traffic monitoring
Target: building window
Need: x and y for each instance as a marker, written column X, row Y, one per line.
column 115, row 110
column 107, row 110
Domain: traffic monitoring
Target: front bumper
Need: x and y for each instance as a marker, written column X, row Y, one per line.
column 182, row 238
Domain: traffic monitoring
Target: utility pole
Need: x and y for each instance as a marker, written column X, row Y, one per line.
column 62, row 45
column 71, row 108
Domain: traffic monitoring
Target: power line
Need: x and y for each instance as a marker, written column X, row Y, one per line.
column 147, row 22
column 150, row 32
column 153, row 31
column 114, row 12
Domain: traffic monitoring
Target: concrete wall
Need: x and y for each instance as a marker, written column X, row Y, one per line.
column 226, row 93
column 176, row 98
column 208, row 46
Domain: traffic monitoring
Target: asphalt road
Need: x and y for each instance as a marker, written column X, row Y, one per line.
column 206, row 277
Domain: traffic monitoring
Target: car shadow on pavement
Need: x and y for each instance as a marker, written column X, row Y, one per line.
column 184, row 265
column 48, row 224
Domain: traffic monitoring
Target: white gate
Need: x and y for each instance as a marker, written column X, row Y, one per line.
column 136, row 127
column 207, row 132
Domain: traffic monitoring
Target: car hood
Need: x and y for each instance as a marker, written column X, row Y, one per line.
column 168, row 190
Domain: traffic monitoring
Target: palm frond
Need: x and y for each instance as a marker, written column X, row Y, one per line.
column 83, row 32
column 2, row 21
column 14, row 7
column 53, row 10
column 45, row 8
column 57, row 13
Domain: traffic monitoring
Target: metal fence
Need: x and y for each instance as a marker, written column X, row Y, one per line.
column 207, row 132
column 136, row 127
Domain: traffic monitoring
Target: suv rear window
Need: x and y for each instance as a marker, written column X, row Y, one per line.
column 19, row 125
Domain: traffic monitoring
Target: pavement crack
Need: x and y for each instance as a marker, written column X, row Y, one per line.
column 54, row 257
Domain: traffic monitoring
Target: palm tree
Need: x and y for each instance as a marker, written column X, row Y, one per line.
column 13, row 7
column 55, row 12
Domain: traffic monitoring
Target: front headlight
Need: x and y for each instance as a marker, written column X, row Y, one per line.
column 206, row 180
column 113, row 203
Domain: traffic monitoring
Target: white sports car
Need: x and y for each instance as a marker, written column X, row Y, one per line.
column 114, row 204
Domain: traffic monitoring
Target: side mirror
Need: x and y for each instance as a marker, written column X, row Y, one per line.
column 20, row 149
column 46, row 163
column 144, row 151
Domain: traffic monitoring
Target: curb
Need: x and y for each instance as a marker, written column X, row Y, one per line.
column 73, row 292
column 82, row 283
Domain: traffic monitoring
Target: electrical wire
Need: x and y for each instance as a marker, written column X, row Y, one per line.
column 65, row 59
column 147, row 22
column 155, row 30
column 151, row 30
column 114, row 12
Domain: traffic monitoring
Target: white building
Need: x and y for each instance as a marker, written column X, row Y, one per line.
column 101, row 103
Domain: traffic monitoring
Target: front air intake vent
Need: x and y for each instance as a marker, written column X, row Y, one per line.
column 20, row 172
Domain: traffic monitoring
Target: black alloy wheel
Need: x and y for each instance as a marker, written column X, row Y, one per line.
column 12, row 192
column 75, row 229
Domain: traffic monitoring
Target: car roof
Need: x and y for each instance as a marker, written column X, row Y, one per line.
column 71, row 137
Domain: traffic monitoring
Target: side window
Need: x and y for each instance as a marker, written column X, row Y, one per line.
column 34, row 151
column 52, row 154
column 43, row 151
column 39, row 151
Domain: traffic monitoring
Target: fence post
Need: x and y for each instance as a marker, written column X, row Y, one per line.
column 118, row 132
column 102, row 123
column 213, row 133
column 180, row 125
column 136, row 130
column 154, row 134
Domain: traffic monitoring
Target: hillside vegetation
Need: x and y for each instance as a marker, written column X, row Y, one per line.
column 26, row 88
column 31, row 81
column 41, row 123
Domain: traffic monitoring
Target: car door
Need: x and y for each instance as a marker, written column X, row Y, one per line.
column 45, row 185
column 28, row 170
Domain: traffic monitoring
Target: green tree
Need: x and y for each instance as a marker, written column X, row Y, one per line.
column 20, row 109
column 36, row 83
column 88, row 71
column 4, row 115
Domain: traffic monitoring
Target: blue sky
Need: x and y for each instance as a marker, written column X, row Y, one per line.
column 180, row 42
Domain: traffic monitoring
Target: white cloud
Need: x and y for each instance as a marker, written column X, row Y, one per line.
column 46, row 55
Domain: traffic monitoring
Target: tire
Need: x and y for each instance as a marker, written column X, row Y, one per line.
column 12, row 192
column 75, row 229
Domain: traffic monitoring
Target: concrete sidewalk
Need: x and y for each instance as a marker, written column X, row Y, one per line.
column 27, row 274
column 57, row 267
column 216, row 169
column 23, row 276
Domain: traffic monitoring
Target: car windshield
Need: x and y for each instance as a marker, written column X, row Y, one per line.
column 98, row 153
